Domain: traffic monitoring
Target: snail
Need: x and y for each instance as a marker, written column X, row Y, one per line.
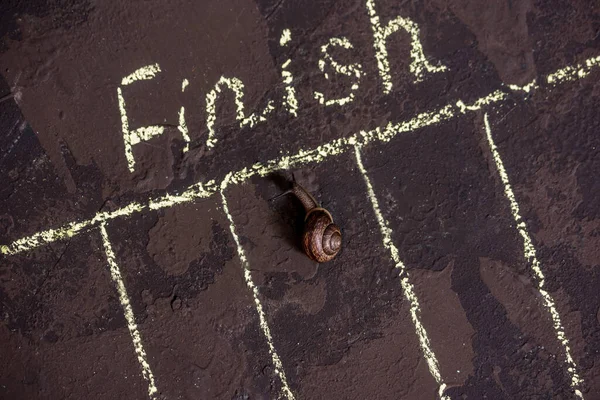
column 321, row 239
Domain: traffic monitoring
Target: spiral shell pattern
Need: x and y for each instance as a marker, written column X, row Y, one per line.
column 322, row 239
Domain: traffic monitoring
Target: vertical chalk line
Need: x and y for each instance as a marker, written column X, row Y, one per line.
column 257, row 303
column 115, row 273
column 530, row 255
column 407, row 287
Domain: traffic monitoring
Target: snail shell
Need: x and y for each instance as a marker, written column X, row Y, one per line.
column 322, row 239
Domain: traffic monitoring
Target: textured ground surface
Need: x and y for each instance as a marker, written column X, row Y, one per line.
column 343, row 329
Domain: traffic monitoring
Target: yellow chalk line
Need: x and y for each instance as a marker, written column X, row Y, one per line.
column 531, row 86
column 264, row 326
column 530, row 255
column 193, row 192
column 115, row 273
column 407, row 287
column 573, row 73
column 303, row 156
column 341, row 145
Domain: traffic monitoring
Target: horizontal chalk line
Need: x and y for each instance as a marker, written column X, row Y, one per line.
column 315, row 155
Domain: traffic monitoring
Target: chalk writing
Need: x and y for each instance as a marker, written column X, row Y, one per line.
column 290, row 101
column 144, row 133
column 418, row 67
column 237, row 87
column 141, row 74
column 352, row 70
column 419, row 64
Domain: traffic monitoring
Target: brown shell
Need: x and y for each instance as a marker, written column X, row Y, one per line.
column 322, row 239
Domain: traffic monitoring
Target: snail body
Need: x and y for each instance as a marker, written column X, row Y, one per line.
column 321, row 239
